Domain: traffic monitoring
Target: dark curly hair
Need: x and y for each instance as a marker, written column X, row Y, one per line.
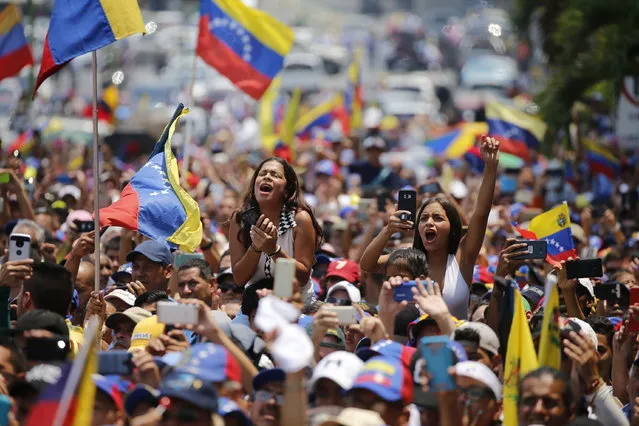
column 293, row 200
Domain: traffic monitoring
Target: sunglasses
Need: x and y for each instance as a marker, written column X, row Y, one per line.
column 231, row 287
column 339, row 302
column 266, row 396
column 475, row 393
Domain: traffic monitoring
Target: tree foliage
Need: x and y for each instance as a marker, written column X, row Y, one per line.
column 586, row 42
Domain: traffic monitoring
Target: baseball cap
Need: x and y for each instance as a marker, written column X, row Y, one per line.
column 147, row 329
column 355, row 417
column 335, row 332
column 140, row 393
column 488, row 340
column 135, row 314
column 210, row 362
column 190, row 388
column 123, row 271
column 72, row 191
column 230, row 410
column 80, row 215
column 353, row 292
column 344, row 269
column 340, row 367
column 122, row 295
column 415, row 327
column 224, row 273
column 110, row 386
column 152, row 250
column 388, row 348
column 327, row 167
column 387, row 378
column 271, row 375
column 372, row 142
column 585, row 327
column 478, row 371
column 587, row 284
column 39, row 319
column 533, row 293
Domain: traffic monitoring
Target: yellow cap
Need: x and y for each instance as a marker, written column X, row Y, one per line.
column 147, row 329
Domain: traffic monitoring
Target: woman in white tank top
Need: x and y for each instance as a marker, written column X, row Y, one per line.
column 438, row 233
column 284, row 227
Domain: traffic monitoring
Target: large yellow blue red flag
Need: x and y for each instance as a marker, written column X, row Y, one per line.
column 456, row 143
column 14, row 49
column 550, row 340
column 353, row 98
column 154, row 204
column 321, row 116
column 553, row 226
column 600, row 159
column 516, row 130
column 82, row 26
column 245, row 45
column 520, row 359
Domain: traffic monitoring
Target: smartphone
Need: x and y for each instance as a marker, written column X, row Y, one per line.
column 439, row 357
column 177, row 313
column 586, row 268
column 47, row 349
column 347, row 315
column 381, row 202
column 284, row 274
column 85, row 226
column 115, row 363
column 633, row 324
column 598, row 211
column 535, row 249
column 404, row 291
column 5, row 177
column 568, row 327
column 363, row 207
column 250, row 216
column 19, row 247
column 430, row 188
column 407, row 200
column 181, row 258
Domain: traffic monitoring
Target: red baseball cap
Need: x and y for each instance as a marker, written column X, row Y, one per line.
column 344, row 269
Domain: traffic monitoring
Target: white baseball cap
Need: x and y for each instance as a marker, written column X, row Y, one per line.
column 478, row 371
column 586, row 328
column 353, row 292
column 488, row 340
column 123, row 295
column 341, row 367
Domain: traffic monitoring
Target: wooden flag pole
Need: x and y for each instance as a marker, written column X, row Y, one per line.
column 96, row 173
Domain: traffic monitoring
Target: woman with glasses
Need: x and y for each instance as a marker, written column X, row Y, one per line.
column 275, row 223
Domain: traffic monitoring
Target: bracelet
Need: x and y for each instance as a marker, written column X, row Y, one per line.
column 277, row 250
column 594, row 385
column 207, row 246
column 255, row 250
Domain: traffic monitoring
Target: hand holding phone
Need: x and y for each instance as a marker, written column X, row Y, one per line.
column 404, row 291
column 250, row 216
column 346, row 315
column 84, row 226
column 48, row 349
column 177, row 313
column 439, row 358
column 407, row 201
column 115, row 363
column 586, row 268
column 535, row 249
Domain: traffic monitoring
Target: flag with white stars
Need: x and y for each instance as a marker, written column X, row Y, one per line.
column 154, row 204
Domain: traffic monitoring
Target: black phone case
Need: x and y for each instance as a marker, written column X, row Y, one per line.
column 250, row 217
column 587, row 268
column 407, row 200
column 535, row 249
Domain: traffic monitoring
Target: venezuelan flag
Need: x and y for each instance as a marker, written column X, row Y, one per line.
column 14, row 50
column 320, row 116
column 23, row 143
column 245, row 45
column 520, row 358
column 553, row 226
column 267, row 114
column 550, row 340
column 154, row 204
column 353, row 98
column 457, row 143
column 82, row 26
column 516, row 130
column 601, row 160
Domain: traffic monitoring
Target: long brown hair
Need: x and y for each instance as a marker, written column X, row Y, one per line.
column 454, row 237
column 293, row 200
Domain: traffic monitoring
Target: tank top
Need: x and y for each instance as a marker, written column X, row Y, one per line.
column 456, row 293
column 286, row 240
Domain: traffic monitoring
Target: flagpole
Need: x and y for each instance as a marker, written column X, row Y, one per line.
column 76, row 372
column 96, row 173
column 189, row 128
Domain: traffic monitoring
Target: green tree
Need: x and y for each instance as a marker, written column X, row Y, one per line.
column 587, row 43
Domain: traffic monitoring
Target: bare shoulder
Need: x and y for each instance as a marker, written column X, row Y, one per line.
column 302, row 217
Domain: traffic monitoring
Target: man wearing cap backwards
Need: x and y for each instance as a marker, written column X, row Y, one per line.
column 151, row 267
column 479, row 394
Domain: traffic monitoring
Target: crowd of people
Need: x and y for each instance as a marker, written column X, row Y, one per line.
column 252, row 357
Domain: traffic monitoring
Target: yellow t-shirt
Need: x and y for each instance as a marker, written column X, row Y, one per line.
column 76, row 337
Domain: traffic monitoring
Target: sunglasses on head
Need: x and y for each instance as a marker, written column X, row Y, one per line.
column 339, row 302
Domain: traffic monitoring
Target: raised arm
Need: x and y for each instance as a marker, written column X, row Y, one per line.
column 372, row 260
column 471, row 245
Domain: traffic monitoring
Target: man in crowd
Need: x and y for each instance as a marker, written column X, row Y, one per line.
column 152, row 266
